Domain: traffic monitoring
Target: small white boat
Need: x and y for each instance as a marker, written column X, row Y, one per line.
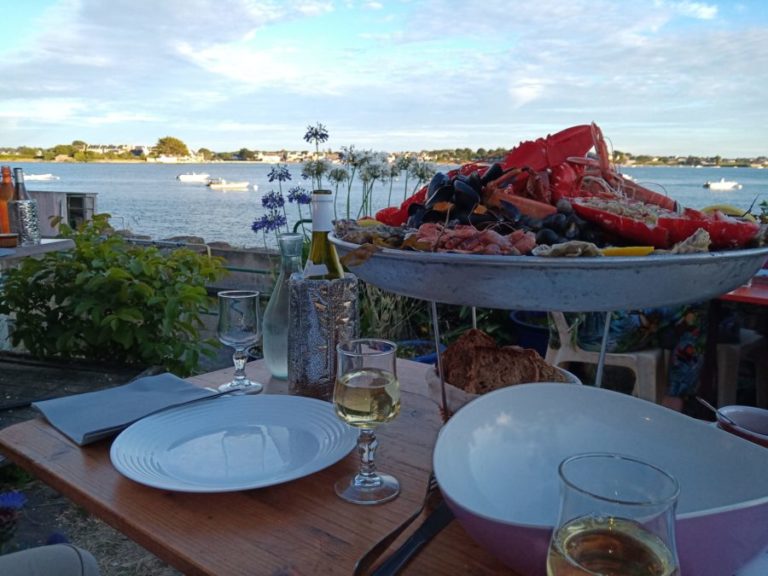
column 723, row 184
column 221, row 184
column 201, row 177
column 40, row 177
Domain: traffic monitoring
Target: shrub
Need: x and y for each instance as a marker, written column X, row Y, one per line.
column 109, row 300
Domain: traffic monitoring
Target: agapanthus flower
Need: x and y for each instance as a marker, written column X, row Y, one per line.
column 272, row 200
column 12, row 500
column 280, row 173
column 316, row 134
column 299, row 195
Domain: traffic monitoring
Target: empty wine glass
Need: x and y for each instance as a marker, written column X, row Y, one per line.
column 239, row 327
column 367, row 394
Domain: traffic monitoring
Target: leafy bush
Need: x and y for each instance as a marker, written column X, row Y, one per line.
column 110, row 300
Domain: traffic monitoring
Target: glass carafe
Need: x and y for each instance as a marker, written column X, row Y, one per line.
column 275, row 328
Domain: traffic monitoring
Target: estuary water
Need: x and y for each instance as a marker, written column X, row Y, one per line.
column 148, row 199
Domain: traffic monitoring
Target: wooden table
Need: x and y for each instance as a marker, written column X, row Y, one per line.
column 300, row 527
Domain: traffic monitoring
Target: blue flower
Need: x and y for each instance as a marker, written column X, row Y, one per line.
column 299, row 195
column 272, row 200
column 12, row 500
column 280, row 173
column 316, row 134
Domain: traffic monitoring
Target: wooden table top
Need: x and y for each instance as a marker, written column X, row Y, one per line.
column 300, row 527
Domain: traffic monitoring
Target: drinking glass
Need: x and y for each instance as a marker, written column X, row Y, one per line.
column 239, row 327
column 617, row 516
column 367, row 394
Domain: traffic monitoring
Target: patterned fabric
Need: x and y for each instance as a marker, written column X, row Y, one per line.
column 680, row 329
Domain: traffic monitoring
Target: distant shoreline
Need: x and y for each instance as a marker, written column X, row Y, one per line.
column 214, row 162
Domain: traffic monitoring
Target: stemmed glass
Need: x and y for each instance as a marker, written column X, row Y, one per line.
column 367, row 394
column 239, row 327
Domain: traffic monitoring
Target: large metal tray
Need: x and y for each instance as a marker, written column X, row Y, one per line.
column 564, row 284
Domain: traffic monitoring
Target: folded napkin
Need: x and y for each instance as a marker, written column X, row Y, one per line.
column 86, row 418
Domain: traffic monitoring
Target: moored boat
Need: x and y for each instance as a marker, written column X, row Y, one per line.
column 40, row 177
column 222, row 184
column 201, row 177
column 722, row 184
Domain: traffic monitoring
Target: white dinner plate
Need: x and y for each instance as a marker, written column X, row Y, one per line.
column 233, row 443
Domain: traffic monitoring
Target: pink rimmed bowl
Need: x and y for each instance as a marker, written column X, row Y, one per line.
column 750, row 423
column 496, row 462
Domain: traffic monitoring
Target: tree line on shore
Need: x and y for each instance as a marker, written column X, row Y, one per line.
column 80, row 151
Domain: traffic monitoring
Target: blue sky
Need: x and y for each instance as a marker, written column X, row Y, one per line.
column 659, row 76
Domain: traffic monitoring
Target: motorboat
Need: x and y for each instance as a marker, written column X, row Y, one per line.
column 200, row 177
column 222, row 184
column 40, row 177
column 722, row 184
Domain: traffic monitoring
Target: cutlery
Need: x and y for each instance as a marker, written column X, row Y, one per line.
column 435, row 522
column 372, row 554
column 716, row 411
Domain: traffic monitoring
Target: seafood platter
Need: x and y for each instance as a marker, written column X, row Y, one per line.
column 552, row 226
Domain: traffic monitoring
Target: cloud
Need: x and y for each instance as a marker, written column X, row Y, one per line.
column 436, row 71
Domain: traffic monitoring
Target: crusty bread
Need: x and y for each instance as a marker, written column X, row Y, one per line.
column 476, row 364
column 455, row 359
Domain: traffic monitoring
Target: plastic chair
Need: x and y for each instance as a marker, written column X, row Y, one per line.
column 648, row 365
column 751, row 347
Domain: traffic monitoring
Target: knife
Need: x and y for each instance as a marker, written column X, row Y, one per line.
column 435, row 522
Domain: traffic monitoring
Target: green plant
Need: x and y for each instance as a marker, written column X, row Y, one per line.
column 110, row 300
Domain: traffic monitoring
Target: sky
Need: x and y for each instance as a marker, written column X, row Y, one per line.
column 664, row 77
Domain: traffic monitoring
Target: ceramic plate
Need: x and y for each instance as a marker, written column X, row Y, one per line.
column 233, row 443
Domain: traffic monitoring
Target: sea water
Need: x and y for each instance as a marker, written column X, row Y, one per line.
column 148, row 199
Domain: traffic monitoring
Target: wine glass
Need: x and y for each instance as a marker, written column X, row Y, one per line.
column 239, row 327
column 367, row 394
column 617, row 516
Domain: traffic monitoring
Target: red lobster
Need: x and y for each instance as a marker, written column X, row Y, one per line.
column 548, row 169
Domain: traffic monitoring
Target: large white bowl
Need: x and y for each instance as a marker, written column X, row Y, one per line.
column 496, row 462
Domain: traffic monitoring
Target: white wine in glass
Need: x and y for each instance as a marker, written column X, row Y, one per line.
column 617, row 517
column 366, row 395
column 239, row 327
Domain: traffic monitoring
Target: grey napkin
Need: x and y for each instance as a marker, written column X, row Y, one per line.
column 86, row 418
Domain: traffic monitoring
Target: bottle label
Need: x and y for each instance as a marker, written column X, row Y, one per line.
column 322, row 213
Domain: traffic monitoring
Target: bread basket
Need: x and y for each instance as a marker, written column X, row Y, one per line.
column 455, row 397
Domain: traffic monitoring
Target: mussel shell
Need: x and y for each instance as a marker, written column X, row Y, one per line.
column 443, row 194
column 547, row 236
column 475, row 182
column 509, row 211
column 480, row 220
column 433, row 216
column 464, row 195
column 494, row 171
column 415, row 215
column 438, row 180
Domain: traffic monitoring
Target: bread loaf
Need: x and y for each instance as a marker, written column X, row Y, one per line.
column 477, row 365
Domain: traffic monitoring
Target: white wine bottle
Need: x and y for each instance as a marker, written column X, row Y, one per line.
column 323, row 261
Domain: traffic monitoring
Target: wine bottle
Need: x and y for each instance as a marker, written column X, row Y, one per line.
column 323, row 262
column 20, row 188
column 7, row 193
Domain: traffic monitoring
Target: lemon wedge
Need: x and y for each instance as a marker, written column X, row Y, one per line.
column 627, row 250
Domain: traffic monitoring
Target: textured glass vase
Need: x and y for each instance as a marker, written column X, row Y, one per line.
column 275, row 325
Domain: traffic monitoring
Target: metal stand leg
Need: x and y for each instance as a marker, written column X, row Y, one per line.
column 436, row 332
column 603, row 351
column 474, row 317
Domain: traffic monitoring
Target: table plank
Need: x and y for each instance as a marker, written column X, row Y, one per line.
column 300, row 527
